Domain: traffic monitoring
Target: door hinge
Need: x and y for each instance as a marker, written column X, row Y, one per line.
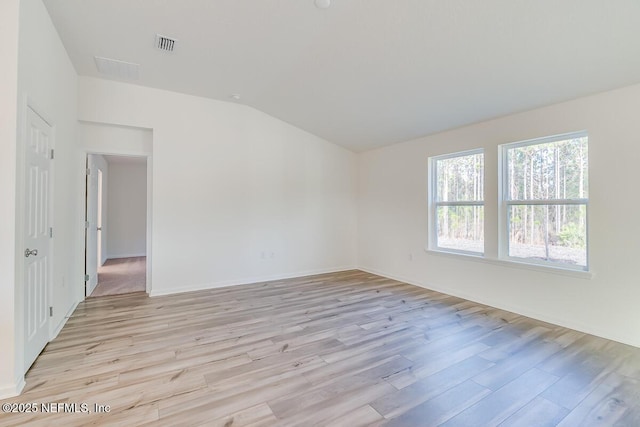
column 50, row 231
column 86, row 277
column 50, row 311
column 52, row 154
column 88, row 171
column 86, row 224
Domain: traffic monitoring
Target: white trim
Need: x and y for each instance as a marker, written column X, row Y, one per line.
column 523, row 311
column 547, row 202
column 19, row 294
column 513, row 262
column 12, row 390
column 504, row 203
column 432, row 221
column 149, row 156
column 52, row 219
column 248, row 281
column 28, row 103
column 458, row 154
column 454, row 252
column 433, row 204
column 546, row 139
column 149, row 221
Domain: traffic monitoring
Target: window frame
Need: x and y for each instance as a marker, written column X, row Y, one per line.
column 505, row 203
column 433, row 203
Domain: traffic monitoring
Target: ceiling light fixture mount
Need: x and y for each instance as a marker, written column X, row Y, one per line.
column 322, row 4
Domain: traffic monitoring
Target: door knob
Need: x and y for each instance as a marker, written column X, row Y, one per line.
column 28, row 252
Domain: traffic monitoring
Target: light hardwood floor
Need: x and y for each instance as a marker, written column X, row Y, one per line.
column 343, row 349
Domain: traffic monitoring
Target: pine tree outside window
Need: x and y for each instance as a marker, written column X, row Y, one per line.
column 457, row 203
column 544, row 201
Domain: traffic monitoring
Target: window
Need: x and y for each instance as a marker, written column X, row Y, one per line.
column 457, row 202
column 544, row 201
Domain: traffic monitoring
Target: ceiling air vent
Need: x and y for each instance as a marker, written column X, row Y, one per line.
column 118, row 69
column 165, row 43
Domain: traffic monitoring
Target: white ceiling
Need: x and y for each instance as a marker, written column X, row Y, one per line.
column 366, row 73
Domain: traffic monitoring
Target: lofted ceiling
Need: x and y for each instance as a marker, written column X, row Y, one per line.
column 365, row 73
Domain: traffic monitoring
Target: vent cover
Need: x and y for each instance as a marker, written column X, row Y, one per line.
column 165, row 43
column 118, row 69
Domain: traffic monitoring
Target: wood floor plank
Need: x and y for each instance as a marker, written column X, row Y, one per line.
column 335, row 387
column 439, row 409
column 613, row 402
column 579, row 381
column 361, row 417
column 395, row 404
column 259, row 415
column 511, row 368
column 499, row 405
column 339, row 349
column 327, row 411
column 539, row 412
column 215, row 407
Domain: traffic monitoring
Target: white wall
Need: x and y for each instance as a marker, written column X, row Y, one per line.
column 127, row 211
column 10, row 380
column 113, row 139
column 45, row 75
column 393, row 218
column 231, row 184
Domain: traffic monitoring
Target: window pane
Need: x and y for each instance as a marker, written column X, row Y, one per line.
column 461, row 228
column 553, row 170
column 460, row 179
column 556, row 233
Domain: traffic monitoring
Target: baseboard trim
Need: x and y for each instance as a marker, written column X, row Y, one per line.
column 577, row 326
column 12, row 390
column 247, row 281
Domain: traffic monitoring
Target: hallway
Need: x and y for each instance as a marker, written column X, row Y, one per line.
column 121, row 276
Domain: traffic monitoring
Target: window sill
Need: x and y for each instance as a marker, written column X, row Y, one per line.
column 587, row 275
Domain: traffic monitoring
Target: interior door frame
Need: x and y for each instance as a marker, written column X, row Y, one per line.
column 90, row 224
column 149, row 223
column 99, row 222
column 26, row 104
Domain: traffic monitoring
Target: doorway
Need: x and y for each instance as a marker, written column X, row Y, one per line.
column 116, row 225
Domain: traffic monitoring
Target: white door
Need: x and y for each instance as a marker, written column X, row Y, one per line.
column 91, row 227
column 37, row 269
column 99, row 221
